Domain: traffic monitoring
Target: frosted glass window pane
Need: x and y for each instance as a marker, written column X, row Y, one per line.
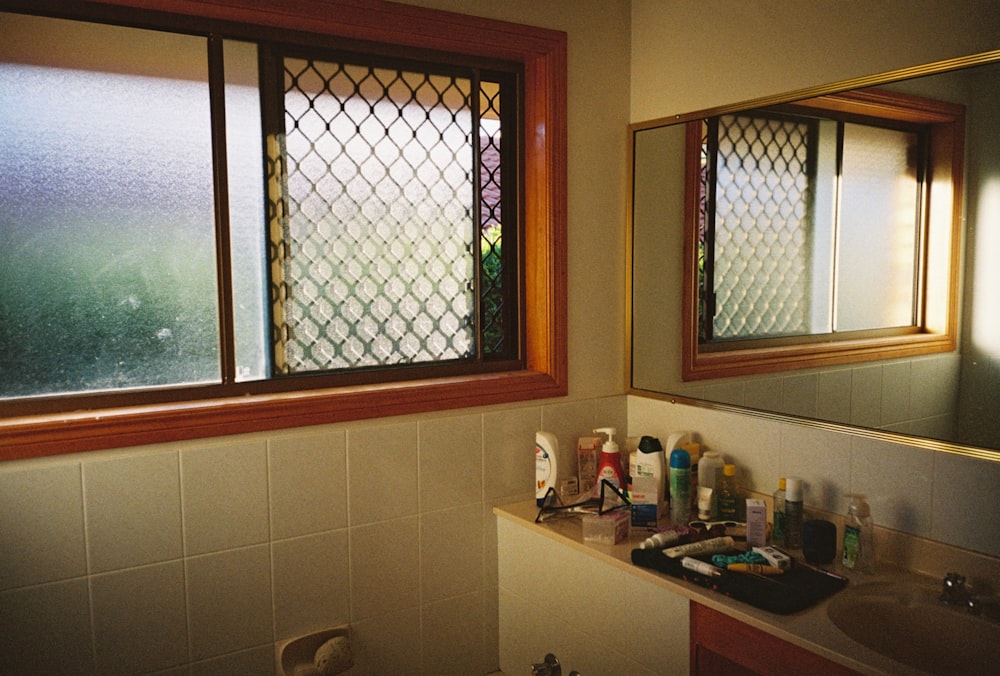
column 878, row 233
column 107, row 259
column 246, row 208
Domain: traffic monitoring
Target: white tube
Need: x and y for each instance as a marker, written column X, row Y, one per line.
column 704, row 502
column 703, row 567
column 660, row 540
column 712, row 546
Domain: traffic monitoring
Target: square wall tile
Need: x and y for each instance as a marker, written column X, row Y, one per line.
column 833, row 397
column 452, row 640
column 255, row 662
column 895, row 393
column 385, row 567
column 450, row 462
column 800, row 395
column 224, row 496
column 967, row 503
column 41, row 518
column 229, row 601
column 823, row 460
column 934, row 380
column 896, row 481
column 382, row 472
column 451, row 553
column 611, row 411
column 866, row 395
column 569, row 421
column 133, row 511
column 764, row 392
column 312, row 583
column 388, row 644
column 139, row 619
column 508, row 453
column 30, row 620
column 750, row 443
column 308, row 483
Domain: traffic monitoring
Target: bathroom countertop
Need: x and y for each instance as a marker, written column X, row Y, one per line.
column 810, row 629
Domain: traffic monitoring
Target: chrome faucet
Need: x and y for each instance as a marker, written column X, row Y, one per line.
column 550, row 667
column 954, row 592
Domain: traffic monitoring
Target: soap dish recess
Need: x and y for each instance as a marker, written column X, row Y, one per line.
column 298, row 655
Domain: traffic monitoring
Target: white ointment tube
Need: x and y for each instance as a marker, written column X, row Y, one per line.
column 711, row 546
column 703, row 567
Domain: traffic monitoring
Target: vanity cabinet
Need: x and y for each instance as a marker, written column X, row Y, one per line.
column 721, row 645
column 597, row 613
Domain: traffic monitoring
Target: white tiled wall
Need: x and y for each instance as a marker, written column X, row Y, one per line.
column 912, row 396
column 200, row 557
column 941, row 496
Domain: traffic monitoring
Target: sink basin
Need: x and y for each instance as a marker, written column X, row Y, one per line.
column 906, row 622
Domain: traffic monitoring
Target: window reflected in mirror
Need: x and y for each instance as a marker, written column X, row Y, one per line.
column 810, row 235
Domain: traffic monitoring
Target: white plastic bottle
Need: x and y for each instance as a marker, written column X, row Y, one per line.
column 859, row 536
column 546, row 452
column 609, row 466
column 646, row 482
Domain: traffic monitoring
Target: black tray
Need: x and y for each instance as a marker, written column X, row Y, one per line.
column 795, row 590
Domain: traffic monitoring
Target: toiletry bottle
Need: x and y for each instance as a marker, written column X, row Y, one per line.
column 710, row 476
column 778, row 532
column 694, row 450
column 859, row 536
column 793, row 512
column 680, row 486
column 609, row 467
column 729, row 496
column 546, row 450
column 646, row 482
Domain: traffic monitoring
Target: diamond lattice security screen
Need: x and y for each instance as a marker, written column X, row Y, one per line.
column 374, row 225
column 762, row 214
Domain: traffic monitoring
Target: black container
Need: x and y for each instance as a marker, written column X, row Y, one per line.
column 819, row 541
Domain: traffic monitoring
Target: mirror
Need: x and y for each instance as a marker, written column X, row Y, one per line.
column 948, row 399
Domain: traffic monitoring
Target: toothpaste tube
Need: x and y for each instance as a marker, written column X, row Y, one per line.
column 712, row 546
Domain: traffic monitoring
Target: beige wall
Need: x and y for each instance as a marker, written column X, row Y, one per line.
column 693, row 54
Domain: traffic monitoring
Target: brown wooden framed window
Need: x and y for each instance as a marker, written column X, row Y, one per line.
column 443, row 211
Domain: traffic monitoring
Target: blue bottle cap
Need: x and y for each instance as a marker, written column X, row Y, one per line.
column 680, row 459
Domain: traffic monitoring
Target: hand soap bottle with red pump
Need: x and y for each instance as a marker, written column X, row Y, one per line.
column 609, row 466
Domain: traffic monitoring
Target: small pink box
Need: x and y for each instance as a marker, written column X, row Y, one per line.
column 607, row 529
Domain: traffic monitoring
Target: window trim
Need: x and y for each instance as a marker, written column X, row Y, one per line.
column 940, row 318
column 542, row 55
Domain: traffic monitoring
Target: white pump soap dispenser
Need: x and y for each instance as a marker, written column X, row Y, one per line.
column 609, row 467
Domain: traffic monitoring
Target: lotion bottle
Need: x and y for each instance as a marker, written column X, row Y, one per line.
column 609, row 467
column 546, row 451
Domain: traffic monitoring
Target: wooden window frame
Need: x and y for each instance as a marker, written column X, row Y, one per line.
column 542, row 55
column 940, row 313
